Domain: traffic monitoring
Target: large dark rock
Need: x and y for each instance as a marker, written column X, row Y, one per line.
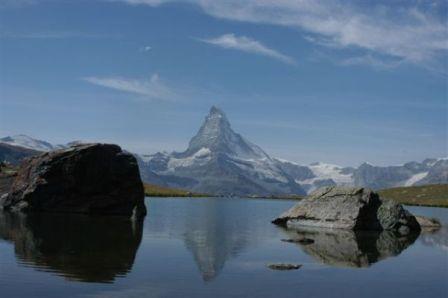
column 88, row 178
column 349, row 208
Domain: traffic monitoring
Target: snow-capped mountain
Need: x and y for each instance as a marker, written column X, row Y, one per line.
column 30, row 143
column 220, row 161
column 429, row 171
column 318, row 174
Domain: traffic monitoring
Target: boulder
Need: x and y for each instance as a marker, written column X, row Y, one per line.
column 348, row 208
column 87, row 178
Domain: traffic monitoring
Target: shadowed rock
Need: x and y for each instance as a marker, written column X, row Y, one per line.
column 348, row 208
column 77, row 247
column 346, row 248
column 89, row 178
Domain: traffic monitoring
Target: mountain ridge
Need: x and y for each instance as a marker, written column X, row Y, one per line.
column 220, row 161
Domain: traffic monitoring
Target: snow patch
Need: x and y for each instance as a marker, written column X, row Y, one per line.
column 415, row 178
column 201, row 157
column 329, row 171
column 27, row 142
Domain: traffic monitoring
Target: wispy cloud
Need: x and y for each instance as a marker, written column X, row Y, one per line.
column 371, row 60
column 246, row 44
column 145, row 49
column 414, row 31
column 153, row 88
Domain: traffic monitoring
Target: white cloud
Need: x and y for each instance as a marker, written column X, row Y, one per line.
column 414, row 31
column 371, row 60
column 153, row 88
column 145, row 49
column 246, row 44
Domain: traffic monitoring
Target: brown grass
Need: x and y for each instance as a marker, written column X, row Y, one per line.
column 152, row 190
column 435, row 195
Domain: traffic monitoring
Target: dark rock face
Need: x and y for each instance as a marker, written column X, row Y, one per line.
column 89, row 178
column 348, row 208
column 76, row 246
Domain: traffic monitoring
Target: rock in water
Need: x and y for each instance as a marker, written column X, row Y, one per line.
column 282, row 266
column 349, row 208
column 87, row 178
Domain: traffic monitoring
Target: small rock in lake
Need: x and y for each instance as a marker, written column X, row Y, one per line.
column 304, row 241
column 281, row 266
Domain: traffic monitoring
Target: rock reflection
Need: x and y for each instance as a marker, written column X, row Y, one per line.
column 435, row 237
column 78, row 247
column 345, row 248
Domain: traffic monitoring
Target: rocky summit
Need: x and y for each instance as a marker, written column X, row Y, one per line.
column 219, row 161
column 349, row 208
column 89, row 178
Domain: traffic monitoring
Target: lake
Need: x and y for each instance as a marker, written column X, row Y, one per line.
column 211, row 247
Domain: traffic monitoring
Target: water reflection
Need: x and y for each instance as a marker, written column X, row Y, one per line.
column 435, row 237
column 343, row 248
column 213, row 230
column 78, row 247
column 214, row 235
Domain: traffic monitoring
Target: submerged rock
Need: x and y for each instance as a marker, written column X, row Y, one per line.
column 348, row 208
column 88, row 178
column 281, row 266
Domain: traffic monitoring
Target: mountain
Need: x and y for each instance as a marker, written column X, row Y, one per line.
column 15, row 154
column 429, row 171
column 29, row 143
column 220, row 161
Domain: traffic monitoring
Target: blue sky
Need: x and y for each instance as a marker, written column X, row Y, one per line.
column 340, row 82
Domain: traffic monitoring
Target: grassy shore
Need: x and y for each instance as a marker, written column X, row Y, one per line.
column 152, row 190
column 427, row 195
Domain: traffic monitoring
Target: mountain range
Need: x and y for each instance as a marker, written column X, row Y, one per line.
column 220, row 161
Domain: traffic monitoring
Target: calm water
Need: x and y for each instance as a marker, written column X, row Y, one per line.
column 213, row 248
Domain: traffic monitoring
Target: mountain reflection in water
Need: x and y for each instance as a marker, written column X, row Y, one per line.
column 346, row 248
column 213, row 230
column 78, row 247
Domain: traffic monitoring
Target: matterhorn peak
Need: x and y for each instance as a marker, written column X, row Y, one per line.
column 216, row 120
column 217, row 135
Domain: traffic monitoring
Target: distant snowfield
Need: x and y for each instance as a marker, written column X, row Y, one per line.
column 415, row 178
column 329, row 171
